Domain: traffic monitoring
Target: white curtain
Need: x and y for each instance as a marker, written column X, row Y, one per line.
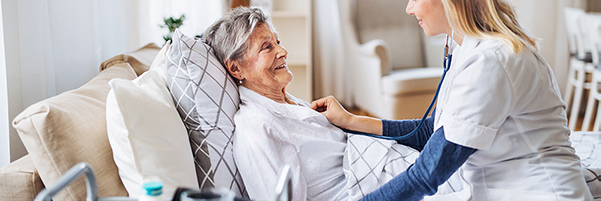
column 330, row 72
column 52, row 46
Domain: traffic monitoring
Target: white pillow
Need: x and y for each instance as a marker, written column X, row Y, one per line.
column 147, row 135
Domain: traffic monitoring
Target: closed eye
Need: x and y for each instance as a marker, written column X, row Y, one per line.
column 265, row 46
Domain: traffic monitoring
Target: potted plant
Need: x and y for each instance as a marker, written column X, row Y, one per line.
column 172, row 24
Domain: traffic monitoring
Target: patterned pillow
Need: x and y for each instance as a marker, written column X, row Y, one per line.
column 206, row 98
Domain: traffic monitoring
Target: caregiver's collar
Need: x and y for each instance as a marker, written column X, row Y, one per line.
column 468, row 44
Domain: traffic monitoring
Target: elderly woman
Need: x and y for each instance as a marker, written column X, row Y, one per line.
column 273, row 128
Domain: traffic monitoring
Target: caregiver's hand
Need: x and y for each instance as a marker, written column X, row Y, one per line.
column 331, row 108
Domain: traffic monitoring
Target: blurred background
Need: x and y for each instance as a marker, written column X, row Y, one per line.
column 50, row 47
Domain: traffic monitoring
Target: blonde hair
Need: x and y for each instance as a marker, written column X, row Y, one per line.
column 484, row 19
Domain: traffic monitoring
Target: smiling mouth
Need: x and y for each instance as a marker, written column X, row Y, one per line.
column 281, row 66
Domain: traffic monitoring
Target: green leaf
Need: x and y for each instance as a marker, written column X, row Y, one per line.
column 172, row 24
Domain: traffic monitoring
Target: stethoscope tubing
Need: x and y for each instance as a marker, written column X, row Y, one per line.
column 402, row 137
column 446, row 66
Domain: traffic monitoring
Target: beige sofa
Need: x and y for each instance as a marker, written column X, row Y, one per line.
column 68, row 128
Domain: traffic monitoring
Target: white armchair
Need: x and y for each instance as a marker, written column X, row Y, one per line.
column 388, row 74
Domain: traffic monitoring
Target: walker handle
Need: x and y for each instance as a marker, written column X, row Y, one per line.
column 67, row 178
column 283, row 189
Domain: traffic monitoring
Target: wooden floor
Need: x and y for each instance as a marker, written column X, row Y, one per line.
column 580, row 119
column 579, row 123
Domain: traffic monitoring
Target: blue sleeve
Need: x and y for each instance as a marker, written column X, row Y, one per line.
column 435, row 165
column 395, row 128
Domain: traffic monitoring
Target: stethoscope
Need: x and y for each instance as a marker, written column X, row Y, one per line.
column 446, row 65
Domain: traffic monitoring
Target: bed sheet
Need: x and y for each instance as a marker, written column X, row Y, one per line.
column 381, row 152
column 588, row 148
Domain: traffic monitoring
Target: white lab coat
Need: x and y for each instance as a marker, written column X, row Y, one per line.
column 508, row 106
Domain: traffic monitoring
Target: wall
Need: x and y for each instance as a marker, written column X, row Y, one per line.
column 594, row 6
column 4, row 125
column 12, row 72
column 543, row 19
column 50, row 47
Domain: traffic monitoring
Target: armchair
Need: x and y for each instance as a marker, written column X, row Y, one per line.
column 387, row 52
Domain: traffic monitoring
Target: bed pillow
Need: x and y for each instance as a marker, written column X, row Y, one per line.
column 148, row 139
column 206, row 98
column 139, row 60
column 69, row 128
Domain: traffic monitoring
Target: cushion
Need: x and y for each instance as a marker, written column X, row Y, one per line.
column 139, row 60
column 206, row 98
column 148, row 138
column 69, row 128
column 411, row 81
column 20, row 180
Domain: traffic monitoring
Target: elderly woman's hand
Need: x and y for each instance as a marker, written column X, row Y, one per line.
column 337, row 115
column 331, row 108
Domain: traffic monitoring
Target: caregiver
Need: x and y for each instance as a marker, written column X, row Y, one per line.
column 500, row 120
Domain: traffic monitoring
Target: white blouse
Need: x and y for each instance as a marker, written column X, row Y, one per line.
column 326, row 163
column 270, row 135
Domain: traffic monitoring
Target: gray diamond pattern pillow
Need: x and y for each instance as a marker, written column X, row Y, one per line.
column 206, row 98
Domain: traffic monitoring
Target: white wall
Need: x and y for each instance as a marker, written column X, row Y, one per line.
column 4, row 124
column 50, row 47
column 543, row 20
column 12, row 62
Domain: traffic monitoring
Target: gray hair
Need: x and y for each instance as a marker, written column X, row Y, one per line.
column 228, row 36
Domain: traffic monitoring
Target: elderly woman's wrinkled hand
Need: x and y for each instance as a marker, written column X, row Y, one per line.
column 334, row 112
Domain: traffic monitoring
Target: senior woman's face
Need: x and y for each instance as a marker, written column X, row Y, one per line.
column 263, row 68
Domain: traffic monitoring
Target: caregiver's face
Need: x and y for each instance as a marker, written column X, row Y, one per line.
column 263, row 68
column 430, row 15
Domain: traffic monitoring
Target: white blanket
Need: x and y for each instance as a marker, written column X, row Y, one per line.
column 369, row 163
column 588, row 148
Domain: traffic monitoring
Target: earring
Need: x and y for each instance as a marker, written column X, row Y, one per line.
column 240, row 81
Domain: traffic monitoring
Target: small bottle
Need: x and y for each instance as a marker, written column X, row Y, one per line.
column 152, row 191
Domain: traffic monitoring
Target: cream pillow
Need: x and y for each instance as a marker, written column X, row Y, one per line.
column 147, row 135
